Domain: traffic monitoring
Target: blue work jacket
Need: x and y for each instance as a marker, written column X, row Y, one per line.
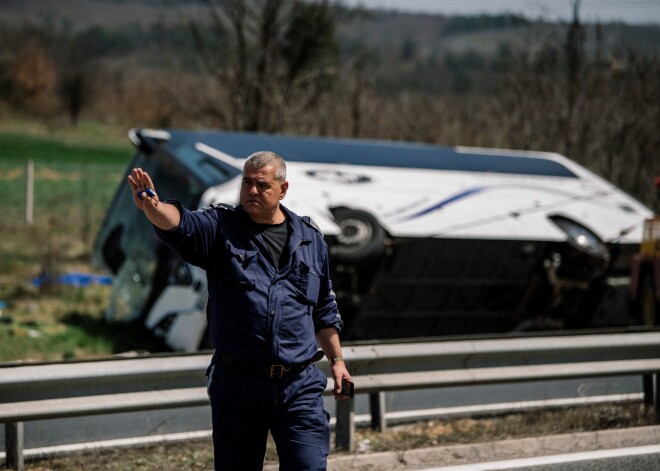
column 257, row 313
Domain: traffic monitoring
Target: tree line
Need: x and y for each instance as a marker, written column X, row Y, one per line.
column 283, row 66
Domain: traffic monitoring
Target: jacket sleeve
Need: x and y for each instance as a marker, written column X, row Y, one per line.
column 193, row 238
column 326, row 313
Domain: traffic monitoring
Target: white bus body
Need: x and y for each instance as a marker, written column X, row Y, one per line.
column 425, row 241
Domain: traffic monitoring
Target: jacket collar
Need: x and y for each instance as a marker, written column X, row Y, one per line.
column 298, row 232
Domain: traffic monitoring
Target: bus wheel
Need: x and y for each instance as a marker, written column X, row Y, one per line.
column 647, row 306
column 362, row 238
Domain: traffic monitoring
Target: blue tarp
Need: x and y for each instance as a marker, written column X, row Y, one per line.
column 73, row 279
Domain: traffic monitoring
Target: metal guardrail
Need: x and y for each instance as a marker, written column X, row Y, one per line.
column 44, row 391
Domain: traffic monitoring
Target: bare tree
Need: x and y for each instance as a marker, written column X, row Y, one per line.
column 74, row 91
column 574, row 56
column 33, row 77
column 268, row 58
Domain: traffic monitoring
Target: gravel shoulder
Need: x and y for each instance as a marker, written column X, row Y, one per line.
column 453, row 455
column 412, row 446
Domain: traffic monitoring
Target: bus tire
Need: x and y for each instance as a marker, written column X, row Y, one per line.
column 361, row 240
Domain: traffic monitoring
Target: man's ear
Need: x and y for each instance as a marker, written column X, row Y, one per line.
column 283, row 188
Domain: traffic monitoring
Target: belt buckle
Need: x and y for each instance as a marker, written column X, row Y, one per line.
column 277, row 371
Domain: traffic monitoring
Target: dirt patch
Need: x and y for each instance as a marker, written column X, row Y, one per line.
column 12, row 174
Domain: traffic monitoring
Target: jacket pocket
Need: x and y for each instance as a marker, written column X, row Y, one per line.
column 243, row 264
column 310, row 283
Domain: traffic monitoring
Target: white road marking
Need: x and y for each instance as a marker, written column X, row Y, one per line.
column 552, row 459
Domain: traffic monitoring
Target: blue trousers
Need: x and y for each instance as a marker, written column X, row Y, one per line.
column 245, row 406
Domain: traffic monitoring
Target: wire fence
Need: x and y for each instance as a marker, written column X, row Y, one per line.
column 63, row 216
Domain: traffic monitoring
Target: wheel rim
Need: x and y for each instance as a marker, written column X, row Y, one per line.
column 354, row 232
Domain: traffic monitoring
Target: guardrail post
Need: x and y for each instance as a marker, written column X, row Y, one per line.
column 345, row 428
column 656, row 397
column 14, row 442
column 647, row 388
column 377, row 406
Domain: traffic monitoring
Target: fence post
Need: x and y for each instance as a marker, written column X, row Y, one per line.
column 29, row 192
column 14, row 442
column 345, row 427
column 377, row 406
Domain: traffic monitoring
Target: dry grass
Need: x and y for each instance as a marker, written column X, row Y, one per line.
column 530, row 424
column 198, row 455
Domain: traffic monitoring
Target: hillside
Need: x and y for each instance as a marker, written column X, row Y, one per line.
column 483, row 33
column 387, row 32
column 77, row 15
column 435, row 53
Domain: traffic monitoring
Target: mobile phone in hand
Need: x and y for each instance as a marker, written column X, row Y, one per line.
column 347, row 388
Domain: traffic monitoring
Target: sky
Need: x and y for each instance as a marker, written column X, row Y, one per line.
column 628, row 11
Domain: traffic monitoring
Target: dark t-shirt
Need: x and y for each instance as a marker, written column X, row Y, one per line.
column 276, row 236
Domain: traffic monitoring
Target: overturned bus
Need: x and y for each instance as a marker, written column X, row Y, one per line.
column 424, row 240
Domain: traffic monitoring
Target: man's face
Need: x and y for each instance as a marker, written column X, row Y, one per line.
column 261, row 193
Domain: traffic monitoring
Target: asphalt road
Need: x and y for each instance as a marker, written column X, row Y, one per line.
column 509, row 454
column 144, row 424
column 641, row 458
column 631, row 449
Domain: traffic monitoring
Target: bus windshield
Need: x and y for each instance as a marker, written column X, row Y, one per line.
column 127, row 245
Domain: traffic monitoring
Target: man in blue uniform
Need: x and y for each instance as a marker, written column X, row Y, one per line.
column 270, row 306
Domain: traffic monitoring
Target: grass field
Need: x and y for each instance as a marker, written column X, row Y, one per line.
column 76, row 172
column 73, row 172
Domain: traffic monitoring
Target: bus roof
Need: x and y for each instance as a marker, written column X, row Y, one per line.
column 373, row 153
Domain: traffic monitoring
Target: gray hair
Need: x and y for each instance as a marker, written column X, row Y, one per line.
column 263, row 158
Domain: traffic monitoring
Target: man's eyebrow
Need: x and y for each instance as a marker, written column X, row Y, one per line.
column 260, row 180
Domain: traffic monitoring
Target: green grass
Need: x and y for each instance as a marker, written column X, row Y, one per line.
column 71, row 176
column 76, row 173
column 19, row 148
column 69, row 330
column 90, row 134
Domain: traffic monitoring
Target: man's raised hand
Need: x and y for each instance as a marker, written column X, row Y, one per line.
column 142, row 188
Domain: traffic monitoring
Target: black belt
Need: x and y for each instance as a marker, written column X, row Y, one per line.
column 269, row 370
